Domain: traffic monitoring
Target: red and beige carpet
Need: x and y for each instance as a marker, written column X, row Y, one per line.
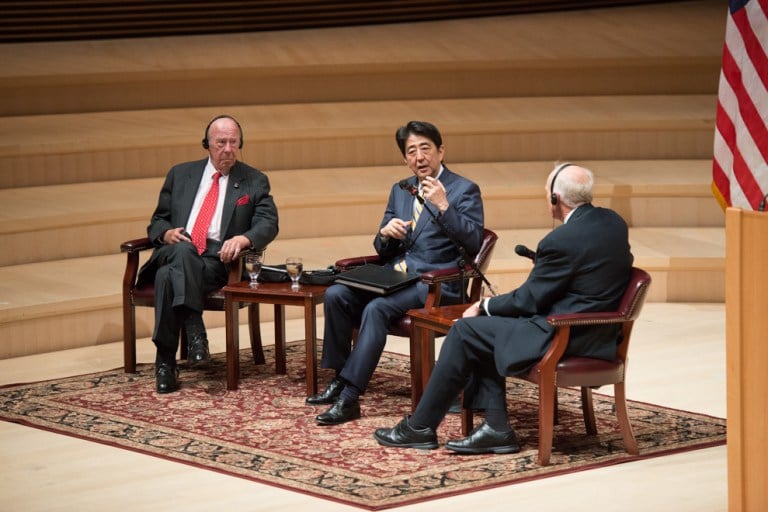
column 264, row 432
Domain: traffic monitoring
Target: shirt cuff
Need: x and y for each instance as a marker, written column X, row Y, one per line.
column 484, row 306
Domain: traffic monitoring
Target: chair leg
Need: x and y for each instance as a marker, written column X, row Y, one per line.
column 588, row 409
column 467, row 421
column 183, row 344
column 621, row 412
column 547, row 392
column 254, row 325
column 129, row 338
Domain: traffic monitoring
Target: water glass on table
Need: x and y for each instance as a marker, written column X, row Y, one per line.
column 294, row 266
column 253, row 264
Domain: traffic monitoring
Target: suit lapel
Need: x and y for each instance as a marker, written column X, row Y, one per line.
column 191, row 185
column 230, row 199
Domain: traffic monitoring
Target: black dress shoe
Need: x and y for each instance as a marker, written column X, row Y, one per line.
column 198, row 354
column 341, row 411
column 484, row 439
column 329, row 395
column 166, row 378
column 405, row 436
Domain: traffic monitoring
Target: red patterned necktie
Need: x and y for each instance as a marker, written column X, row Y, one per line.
column 200, row 231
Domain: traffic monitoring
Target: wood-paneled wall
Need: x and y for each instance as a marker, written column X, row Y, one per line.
column 60, row 20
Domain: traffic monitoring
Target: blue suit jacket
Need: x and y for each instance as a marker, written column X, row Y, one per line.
column 428, row 246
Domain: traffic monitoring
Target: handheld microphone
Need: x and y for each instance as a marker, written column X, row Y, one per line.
column 525, row 252
column 408, row 187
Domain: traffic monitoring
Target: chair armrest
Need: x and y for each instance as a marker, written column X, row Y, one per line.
column 132, row 249
column 357, row 261
column 140, row 244
column 603, row 317
column 446, row 275
column 236, row 268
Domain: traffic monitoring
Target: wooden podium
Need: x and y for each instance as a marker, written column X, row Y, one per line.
column 746, row 315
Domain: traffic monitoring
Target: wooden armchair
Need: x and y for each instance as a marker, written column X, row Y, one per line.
column 145, row 296
column 435, row 278
column 554, row 371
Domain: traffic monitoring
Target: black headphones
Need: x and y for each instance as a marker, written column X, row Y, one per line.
column 552, row 195
column 206, row 145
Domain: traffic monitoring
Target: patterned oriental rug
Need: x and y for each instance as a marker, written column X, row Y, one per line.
column 264, row 432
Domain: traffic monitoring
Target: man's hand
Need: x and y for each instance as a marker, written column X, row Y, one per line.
column 176, row 235
column 434, row 192
column 473, row 310
column 395, row 228
column 231, row 248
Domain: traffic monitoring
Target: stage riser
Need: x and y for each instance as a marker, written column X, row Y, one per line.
column 70, row 328
column 88, row 131
column 49, row 150
column 53, row 95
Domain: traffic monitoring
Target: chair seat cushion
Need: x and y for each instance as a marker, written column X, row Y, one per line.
column 583, row 372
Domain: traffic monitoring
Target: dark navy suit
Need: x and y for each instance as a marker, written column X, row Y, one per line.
column 425, row 248
column 181, row 276
column 583, row 265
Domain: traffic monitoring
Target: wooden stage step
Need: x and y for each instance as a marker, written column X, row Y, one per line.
column 75, row 148
column 75, row 302
column 91, row 219
column 89, row 129
column 669, row 48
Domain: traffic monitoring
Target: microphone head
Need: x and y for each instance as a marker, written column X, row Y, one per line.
column 408, row 187
column 525, row 252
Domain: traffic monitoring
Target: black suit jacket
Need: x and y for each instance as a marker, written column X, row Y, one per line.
column 248, row 210
column 583, row 265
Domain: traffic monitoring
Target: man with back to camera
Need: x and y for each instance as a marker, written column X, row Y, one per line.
column 208, row 211
column 415, row 247
column 581, row 266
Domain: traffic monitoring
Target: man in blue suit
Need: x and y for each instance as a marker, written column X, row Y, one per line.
column 190, row 255
column 584, row 265
column 415, row 247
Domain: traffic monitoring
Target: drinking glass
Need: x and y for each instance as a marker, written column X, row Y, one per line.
column 294, row 267
column 253, row 263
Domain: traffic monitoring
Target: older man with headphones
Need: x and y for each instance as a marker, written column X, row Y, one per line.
column 582, row 265
column 208, row 211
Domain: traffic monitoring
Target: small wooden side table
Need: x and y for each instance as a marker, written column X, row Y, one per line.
column 281, row 295
column 426, row 324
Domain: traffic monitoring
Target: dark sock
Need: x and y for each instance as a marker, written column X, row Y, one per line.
column 419, row 422
column 193, row 323
column 350, row 393
column 168, row 358
column 498, row 420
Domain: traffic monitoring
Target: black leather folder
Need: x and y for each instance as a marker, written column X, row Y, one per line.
column 375, row 278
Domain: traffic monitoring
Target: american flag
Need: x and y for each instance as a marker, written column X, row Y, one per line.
column 740, row 164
